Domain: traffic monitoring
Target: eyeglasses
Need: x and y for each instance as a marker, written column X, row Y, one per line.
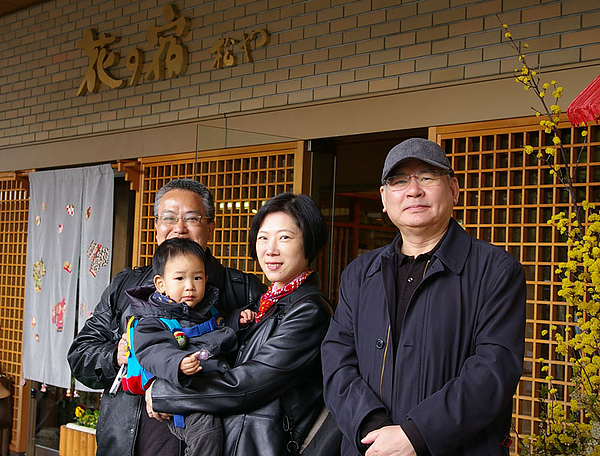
column 425, row 178
column 170, row 220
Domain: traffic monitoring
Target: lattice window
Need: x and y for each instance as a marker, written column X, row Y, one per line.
column 506, row 198
column 14, row 207
column 241, row 180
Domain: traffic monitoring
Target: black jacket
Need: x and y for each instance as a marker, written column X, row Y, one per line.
column 460, row 353
column 278, row 368
column 92, row 355
column 157, row 350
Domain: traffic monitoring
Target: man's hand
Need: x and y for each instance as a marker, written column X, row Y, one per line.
column 190, row 364
column 388, row 441
column 121, row 351
column 151, row 413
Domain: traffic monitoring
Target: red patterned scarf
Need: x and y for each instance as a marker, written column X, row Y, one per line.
column 272, row 296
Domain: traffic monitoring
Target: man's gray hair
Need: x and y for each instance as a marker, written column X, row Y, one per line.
column 192, row 186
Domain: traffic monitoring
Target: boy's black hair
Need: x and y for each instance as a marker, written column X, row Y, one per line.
column 172, row 248
column 304, row 211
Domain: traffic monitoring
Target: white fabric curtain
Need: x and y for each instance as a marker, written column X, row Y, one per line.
column 69, row 237
column 96, row 238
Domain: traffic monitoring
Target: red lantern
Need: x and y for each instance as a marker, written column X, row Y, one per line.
column 586, row 107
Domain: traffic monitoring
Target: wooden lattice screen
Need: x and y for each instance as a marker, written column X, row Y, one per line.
column 506, row 198
column 14, row 207
column 241, row 180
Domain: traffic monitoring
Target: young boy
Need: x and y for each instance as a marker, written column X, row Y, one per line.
column 178, row 328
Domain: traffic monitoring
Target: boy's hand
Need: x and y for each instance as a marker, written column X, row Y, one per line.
column 246, row 317
column 190, row 364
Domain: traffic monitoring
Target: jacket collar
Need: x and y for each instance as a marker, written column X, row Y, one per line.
column 309, row 286
column 143, row 304
column 455, row 247
column 452, row 251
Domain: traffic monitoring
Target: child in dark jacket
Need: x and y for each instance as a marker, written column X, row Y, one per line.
column 179, row 333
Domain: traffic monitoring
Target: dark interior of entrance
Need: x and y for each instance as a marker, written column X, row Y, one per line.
column 345, row 182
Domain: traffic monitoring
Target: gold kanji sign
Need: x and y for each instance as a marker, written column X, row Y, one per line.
column 170, row 60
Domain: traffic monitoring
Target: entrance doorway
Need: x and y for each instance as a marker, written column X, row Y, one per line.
column 346, row 176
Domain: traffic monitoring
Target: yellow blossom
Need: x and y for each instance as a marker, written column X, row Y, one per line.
column 584, row 133
column 587, row 205
column 574, row 405
column 556, row 140
column 507, row 35
column 558, row 92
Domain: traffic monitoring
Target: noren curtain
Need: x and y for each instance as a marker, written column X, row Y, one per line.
column 69, row 248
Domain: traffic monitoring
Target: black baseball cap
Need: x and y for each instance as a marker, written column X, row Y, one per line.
column 419, row 149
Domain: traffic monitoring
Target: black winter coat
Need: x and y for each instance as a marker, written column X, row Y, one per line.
column 279, row 361
column 460, row 353
column 157, row 350
column 92, row 355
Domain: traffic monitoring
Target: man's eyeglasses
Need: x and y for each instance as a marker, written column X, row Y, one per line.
column 425, row 178
column 170, row 220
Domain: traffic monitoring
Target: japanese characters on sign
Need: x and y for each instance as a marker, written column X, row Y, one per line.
column 101, row 59
column 224, row 48
column 171, row 55
column 170, row 59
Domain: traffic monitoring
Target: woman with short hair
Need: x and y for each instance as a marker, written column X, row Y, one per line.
column 273, row 392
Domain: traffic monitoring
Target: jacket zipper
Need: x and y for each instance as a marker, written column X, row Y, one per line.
column 426, row 266
column 387, row 344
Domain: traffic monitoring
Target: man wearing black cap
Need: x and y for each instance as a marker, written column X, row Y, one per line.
column 425, row 350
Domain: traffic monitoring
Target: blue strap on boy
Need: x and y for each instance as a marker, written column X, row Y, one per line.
column 215, row 322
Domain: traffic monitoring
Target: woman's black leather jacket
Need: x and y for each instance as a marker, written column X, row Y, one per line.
column 278, row 370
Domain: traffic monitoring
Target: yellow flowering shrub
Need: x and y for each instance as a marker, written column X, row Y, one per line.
column 572, row 429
